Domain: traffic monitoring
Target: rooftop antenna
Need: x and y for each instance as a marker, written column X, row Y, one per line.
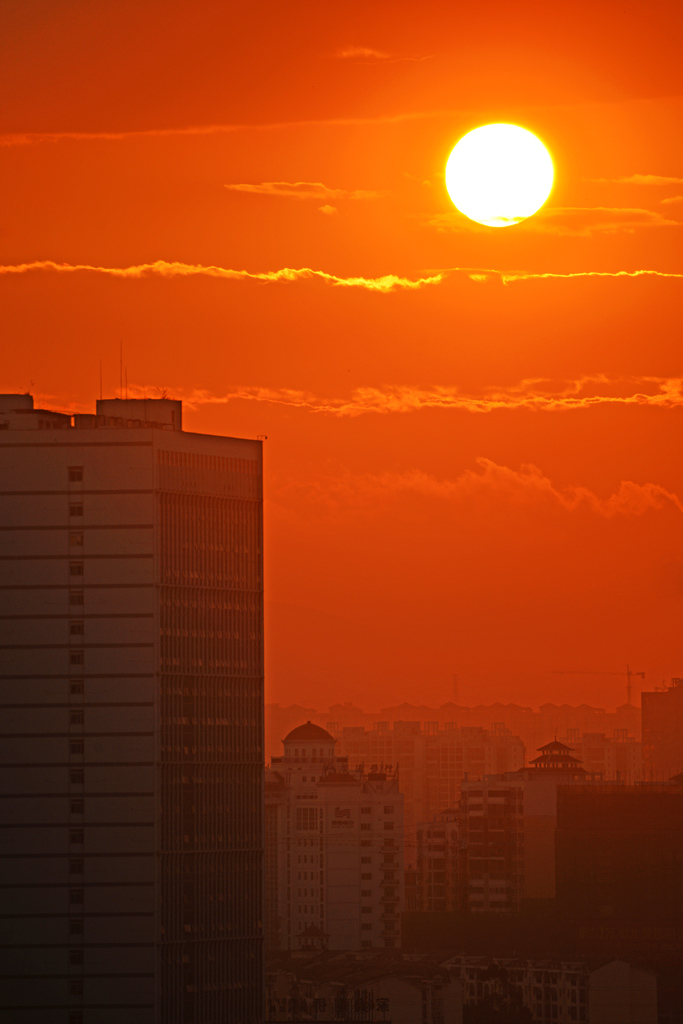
column 100, row 380
column 126, row 383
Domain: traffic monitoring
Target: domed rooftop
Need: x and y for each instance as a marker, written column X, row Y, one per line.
column 309, row 733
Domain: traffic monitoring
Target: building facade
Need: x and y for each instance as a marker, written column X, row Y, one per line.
column 617, row 758
column 432, row 762
column 508, row 825
column 437, row 878
column 131, row 673
column 334, row 854
column 662, row 712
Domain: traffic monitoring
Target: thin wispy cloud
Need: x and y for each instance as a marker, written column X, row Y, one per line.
column 524, row 486
column 37, row 138
column 386, row 283
column 534, row 395
column 301, row 190
column 162, row 268
column 370, row 55
column 509, row 277
column 640, row 179
column 567, row 221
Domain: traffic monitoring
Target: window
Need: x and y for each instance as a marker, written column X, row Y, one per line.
column 76, row 509
column 76, row 597
column 75, row 956
column 76, row 539
column 366, row 860
column 306, row 818
column 365, row 827
column 388, row 810
column 75, row 474
column 76, row 627
column 76, row 746
column 76, row 896
column 76, row 926
column 76, row 568
column 365, row 842
column 76, row 776
column 388, row 824
column 76, row 718
column 76, row 687
column 76, row 867
column 365, row 810
column 76, row 1017
column 366, row 910
column 366, row 892
column 76, row 836
column 76, row 658
column 77, row 807
column 366, row 943
column 366, row 878
column 366, row 928
column 76, row 987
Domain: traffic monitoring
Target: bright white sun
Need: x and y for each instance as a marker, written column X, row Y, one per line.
column 499, row 175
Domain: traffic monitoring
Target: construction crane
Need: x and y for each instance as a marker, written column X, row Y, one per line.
column 629, row 676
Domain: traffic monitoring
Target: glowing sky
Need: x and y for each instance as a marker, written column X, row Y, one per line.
column 473, row 456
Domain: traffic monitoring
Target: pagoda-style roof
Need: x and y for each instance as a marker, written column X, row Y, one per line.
column 556, row 757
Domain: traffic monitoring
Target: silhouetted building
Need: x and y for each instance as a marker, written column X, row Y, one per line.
column 617, row 758
column 620, row 861
column 508, row 829
column 662, row 712
column 437, row 882
column 132, row 680
column 334, row 858
column 432, row 762
column 554, row 991
column 362, row 987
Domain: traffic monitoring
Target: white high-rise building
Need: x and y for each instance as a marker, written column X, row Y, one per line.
column 131, row 680
column 334, row 849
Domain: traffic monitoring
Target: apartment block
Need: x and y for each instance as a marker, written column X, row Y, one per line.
column 131, row 679
column 334, row 857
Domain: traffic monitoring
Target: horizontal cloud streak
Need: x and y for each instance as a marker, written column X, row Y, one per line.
column 37, row 138
column 301, row 190
column 641, row 179
column 535, row 394
column 162, row 268
column 489, row 481
column 567, row 221
column 386, row 283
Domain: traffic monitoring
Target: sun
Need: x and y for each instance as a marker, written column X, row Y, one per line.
column 499, row 174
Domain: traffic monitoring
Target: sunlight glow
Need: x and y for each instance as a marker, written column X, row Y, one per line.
column 499, row 175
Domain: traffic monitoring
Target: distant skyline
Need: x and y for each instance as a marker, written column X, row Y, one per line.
column 473, row 460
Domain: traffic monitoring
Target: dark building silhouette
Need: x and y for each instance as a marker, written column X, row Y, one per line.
column 619, row 854
column 662, row 712
column 131, row 674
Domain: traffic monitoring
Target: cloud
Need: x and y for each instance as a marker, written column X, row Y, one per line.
column 567, row 221
column 640, row 179
column 369, row 55
column 366, row 52
column 508, row 277
column 526, row 485
column 672, row 200
column 534, row 394
column 301, row 190
column 37, row 138
column 386, row 283
column 162, row 268
column 329, row 210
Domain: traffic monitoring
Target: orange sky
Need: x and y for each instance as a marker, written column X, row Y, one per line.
column 466, row 472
